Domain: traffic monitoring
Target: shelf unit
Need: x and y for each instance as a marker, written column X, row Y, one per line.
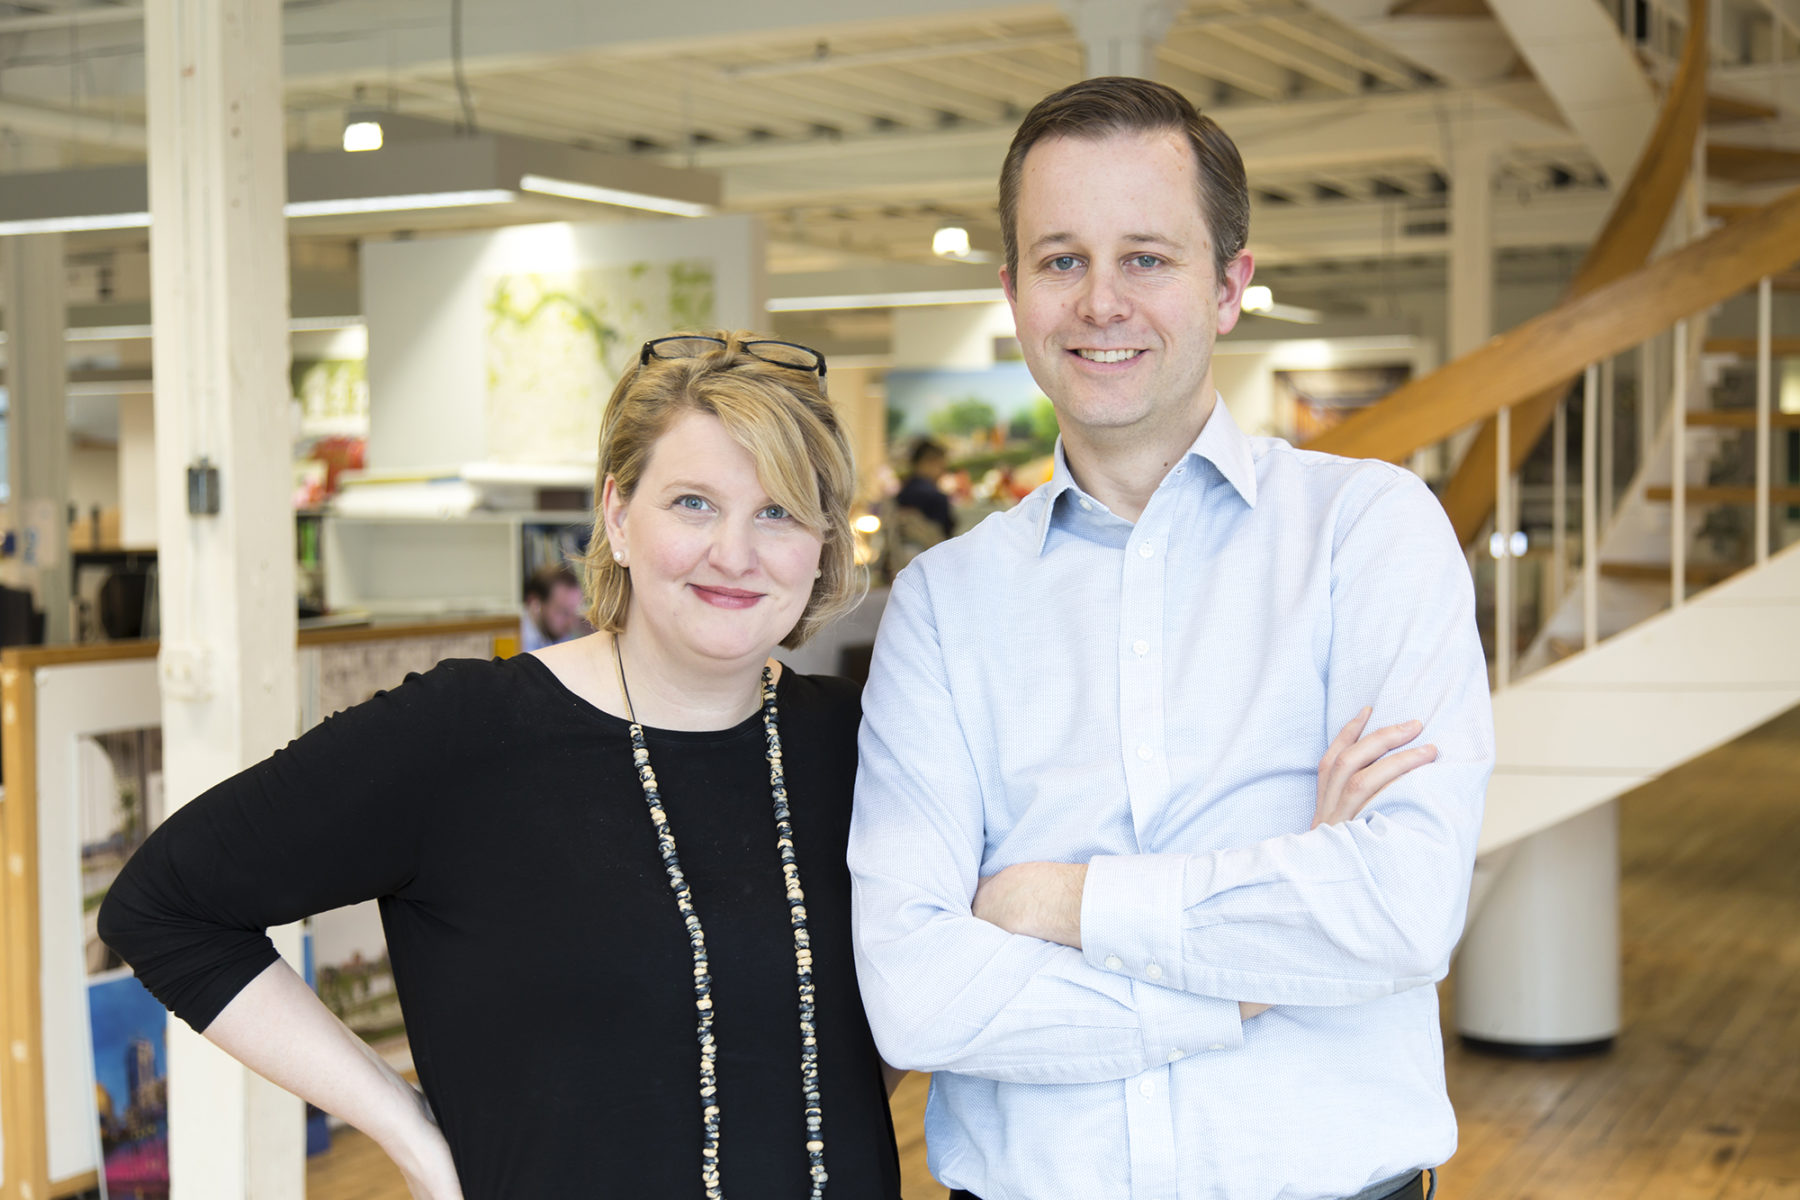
column 393, row 565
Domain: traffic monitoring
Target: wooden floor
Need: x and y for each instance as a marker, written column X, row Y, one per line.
column 1701, row 1096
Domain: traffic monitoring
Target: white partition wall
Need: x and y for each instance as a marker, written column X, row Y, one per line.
column 503, row 347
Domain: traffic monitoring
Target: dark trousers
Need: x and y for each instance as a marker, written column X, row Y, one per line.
column 1422, row 1186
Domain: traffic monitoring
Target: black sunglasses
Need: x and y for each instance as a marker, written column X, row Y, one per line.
column 693, row 345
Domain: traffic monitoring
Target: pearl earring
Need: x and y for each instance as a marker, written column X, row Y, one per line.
column 819, row 574
column 619, row 557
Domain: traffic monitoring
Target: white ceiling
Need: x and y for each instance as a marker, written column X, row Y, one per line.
column 856, row 127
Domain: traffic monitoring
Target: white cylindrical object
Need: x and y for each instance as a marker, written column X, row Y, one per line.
column 1538, row 971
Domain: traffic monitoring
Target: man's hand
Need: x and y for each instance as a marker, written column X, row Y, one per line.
column 1353, row 770
column 1043, row 900
column 1036, row 899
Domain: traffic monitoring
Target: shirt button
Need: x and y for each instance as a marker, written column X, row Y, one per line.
column 1113, row 962
column 1216, row 1046
column 1176, row 1056
column 1145, row 550
column 1147, row 1088
column 1141, row 647
column 1153, row 971
column 1145, row 753
column 1087, row 505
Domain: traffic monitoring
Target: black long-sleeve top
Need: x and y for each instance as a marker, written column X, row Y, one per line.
column 544, row 972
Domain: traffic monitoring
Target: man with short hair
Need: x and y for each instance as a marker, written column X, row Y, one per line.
column 1097, row 890
column 552, row 608
column 920, row 491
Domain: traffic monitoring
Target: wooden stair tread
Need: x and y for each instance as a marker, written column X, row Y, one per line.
column 1739, row 418
column 1781, row 347
column 1751, row 164
column 1728, row 494
column 1722, row 109
column 1659, row 572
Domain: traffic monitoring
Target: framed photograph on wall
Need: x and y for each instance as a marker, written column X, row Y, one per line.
column 1315, row 399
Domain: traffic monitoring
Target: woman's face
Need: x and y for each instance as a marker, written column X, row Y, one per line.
column 720, row 573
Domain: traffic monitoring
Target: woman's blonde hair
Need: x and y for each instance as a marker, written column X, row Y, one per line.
column 781, row 415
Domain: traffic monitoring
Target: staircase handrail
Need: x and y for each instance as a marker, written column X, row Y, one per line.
column 1624, row 245
column 1551, row 349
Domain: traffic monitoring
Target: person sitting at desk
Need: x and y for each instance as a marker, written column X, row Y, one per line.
column 552, row 608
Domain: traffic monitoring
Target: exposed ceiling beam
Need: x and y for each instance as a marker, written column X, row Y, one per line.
column 32, row 117
column 1577, row 53
column 1331, row 74
column 75, row 18
column 1373, row 64
column 1252, row 75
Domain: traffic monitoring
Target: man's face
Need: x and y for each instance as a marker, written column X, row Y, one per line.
column 1115, row 298
column 561, row 612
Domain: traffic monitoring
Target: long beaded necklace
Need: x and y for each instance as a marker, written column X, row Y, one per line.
column 703, row 1004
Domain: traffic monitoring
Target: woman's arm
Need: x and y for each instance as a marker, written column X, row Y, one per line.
column 278, row 1028
column 340, row 815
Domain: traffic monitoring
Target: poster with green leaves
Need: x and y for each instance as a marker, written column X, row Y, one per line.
column 557, row 342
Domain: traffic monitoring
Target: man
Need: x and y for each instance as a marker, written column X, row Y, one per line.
column 919, row 490
column 552, row 608
column 1086, row 847
column 919, row 516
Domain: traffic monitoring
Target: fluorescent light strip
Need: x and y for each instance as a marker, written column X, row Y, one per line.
column 132, row 220
column 322, row 324
column 106, row 333
column 886, row 300
column 127, row 333
column 605, row 195
column 368, row 204
column 298, row 208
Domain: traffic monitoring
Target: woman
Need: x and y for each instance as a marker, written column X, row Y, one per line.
column 611, row 871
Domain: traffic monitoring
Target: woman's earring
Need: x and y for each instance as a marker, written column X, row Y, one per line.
column 819, row 574
column 619, row 557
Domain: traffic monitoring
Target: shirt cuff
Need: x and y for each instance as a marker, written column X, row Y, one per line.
column 1131, row 917
column 1175, row 1025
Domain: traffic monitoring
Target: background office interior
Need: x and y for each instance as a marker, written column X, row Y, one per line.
column 489, row 205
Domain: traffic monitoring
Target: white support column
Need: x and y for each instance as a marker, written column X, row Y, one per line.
column 219, row 297
column 31, row 288
column 1119, row 37
column 1537, row 974
column 1471, row 243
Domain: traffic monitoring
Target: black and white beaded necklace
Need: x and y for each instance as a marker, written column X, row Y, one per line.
column 703, row 1003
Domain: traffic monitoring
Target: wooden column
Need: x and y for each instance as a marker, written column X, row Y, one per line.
column 225, row 543
column 31, row 290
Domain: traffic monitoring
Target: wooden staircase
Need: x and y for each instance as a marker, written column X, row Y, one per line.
column 1670, row 685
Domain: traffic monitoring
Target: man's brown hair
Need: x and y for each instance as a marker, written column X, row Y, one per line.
column 1097, row 108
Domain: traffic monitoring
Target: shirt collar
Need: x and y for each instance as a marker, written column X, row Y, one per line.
column 1220, row 443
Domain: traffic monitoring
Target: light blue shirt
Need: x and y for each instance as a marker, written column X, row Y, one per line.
column 1153, row 699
